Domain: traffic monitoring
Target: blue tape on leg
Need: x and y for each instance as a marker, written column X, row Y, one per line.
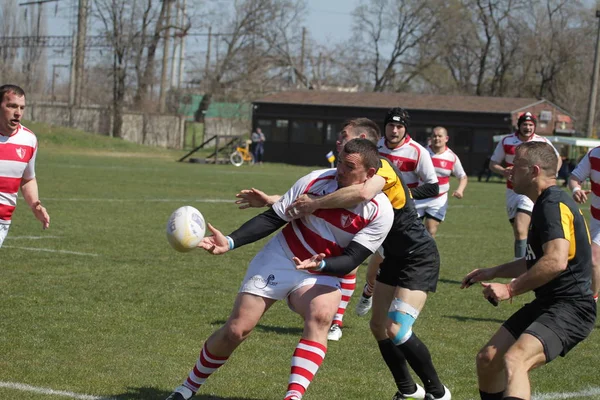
column 406, row 322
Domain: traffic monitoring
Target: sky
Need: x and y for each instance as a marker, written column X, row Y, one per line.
column 327, row 22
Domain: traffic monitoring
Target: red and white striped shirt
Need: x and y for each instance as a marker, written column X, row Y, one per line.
column 505, row 150
column 17, row 162
column 446, row 163
column 329, row 231
column 412, row 160
column 589, row 167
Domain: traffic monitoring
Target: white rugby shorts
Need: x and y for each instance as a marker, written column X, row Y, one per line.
column 516, row 202
column 595, row 231
column 435, row 207
column 272, row 274
column 3, row 232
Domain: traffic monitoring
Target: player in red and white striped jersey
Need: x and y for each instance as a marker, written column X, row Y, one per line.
column 18, row 149
column 589, row 167
column 301, row 264
column 518, row 207
column 446, row 163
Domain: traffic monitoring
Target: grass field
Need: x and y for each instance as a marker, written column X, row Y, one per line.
column 100, row 305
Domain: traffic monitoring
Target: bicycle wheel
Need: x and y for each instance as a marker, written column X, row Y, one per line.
column 250, row 158
column 236, row 158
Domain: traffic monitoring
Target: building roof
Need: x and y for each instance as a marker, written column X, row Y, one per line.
column 410, row 101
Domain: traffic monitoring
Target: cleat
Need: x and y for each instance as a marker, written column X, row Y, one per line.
column 447, row 395
column 335, row 333
column 419, row 394
column 364, row 305
column 181, row 393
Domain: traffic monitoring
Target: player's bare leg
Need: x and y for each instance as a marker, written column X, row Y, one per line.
column 247, row 311
column 595, row 268
column 317, row 304
column 393, row 357
column 432, row 226
column 491, row 373
column 520, row 230
column 526, row 354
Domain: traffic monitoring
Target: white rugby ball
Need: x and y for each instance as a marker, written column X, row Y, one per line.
column 185, row 228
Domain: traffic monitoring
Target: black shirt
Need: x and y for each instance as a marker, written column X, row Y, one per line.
column 555, row 215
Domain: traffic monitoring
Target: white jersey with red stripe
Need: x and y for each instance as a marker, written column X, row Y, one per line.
column 589, row 167
column 446, row 163
column 17, row 162
column 505, row 150
column 412, row 160
column 329, row 231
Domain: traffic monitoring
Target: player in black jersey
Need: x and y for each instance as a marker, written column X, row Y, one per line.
column 557, row 267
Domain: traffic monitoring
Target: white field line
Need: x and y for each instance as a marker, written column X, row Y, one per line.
column 77, row 253
column 41, row 390
column 590, row 392
column 31, row 237
column 189, row 201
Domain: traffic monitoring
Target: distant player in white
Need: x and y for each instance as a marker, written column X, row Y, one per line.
column 18, row 148
column 418, row 173
column 518, row 207
column 301, row 264
column 446, row 163
column 589, row 167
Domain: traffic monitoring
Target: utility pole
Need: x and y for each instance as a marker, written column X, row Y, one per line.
column 79, row 58
column 207, row 65
column 594, row 88
column 302, row 50
column 181, row 48
column 162, row 98
column 176, row 41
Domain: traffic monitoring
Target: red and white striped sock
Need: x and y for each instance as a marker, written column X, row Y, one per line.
column 205, row 366
column 348, row 286
column 368, row 290
column 306, row 361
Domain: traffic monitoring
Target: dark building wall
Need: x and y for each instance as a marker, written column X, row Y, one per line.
column 303, row 135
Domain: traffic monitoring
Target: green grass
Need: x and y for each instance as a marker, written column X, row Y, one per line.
column 128, row 320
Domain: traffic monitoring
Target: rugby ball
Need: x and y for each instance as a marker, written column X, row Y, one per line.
column 185, row 228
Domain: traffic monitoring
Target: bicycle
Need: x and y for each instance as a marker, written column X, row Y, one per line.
column 242, row 154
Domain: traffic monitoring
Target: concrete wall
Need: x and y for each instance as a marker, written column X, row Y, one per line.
column 154, row 130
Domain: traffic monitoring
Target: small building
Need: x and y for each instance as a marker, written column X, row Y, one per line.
column 301, row 127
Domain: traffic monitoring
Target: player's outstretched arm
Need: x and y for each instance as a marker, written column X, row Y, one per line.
column 345, row 197
column 248, row 198
column 215, row 244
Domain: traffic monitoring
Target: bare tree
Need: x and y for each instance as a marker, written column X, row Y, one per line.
column 9, row 26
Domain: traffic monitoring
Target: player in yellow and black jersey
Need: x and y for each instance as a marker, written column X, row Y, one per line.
column 557, row 267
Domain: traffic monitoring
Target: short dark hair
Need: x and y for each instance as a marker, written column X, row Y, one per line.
column 367, row 149
column 397, row 115
column 541, row 154
column 10, row 88
column 366, row 126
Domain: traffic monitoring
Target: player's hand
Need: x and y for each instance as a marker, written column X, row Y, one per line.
column 495, row 292
column 215, row 244
column 41, row 214
column 457, row 194
column 580, row 196
column 302, row 206
column 252, row 198
column 310, row 263
column 477, row 275
column 507, row 172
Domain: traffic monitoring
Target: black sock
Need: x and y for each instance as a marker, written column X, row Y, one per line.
column 490, row 396
column 418, row 357
column 396, row 363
